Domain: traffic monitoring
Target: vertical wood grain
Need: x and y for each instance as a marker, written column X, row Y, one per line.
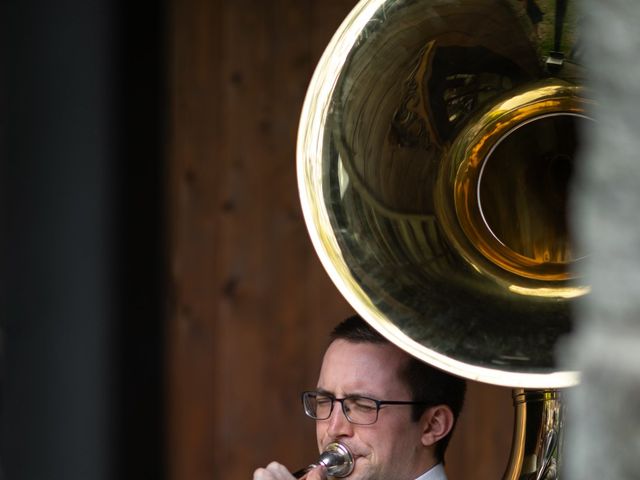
column 251, row 306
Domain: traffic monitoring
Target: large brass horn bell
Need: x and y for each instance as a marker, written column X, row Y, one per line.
column 435, row 153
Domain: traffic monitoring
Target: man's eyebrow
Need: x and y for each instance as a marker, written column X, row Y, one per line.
column 326, row 392
column 363, row 394
column 349, row 394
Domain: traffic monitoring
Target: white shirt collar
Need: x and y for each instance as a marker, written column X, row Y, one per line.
column 435, row 473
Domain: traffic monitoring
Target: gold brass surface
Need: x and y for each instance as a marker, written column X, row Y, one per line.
column 435, row 150
column 523, row 234
column 537, row 436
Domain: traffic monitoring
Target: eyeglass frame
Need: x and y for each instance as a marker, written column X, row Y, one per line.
column 335, row 399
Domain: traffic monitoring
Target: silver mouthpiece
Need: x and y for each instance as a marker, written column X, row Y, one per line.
column 336, row 458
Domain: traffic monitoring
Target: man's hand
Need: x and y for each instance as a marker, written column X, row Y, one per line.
column 277, row 471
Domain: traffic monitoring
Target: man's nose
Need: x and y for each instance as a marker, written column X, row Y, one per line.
column 339, row 426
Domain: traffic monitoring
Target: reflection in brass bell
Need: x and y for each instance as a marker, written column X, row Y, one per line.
column 435, row 153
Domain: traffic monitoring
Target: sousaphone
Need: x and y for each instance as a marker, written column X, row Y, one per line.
column 435, row 152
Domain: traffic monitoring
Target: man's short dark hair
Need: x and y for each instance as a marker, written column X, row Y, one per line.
column 427, row 384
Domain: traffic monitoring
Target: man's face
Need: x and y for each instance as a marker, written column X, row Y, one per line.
column 391, row 448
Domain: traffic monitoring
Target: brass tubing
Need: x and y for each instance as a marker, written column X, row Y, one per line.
column 537, row 435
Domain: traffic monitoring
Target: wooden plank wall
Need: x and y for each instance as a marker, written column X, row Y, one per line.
column 250, row 305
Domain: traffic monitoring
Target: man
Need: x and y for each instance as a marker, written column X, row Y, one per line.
column 394, row 413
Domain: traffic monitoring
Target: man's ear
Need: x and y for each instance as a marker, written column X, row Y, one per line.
column 437, row 422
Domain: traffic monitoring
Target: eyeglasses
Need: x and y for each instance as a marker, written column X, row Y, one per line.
column 358, row 410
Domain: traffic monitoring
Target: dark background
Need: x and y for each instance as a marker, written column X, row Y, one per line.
column 85, row 240
column 163, row 306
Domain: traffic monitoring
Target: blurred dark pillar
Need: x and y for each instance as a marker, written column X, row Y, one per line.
column 83, row 268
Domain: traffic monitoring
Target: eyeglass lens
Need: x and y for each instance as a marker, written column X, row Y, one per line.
column 360, row 410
